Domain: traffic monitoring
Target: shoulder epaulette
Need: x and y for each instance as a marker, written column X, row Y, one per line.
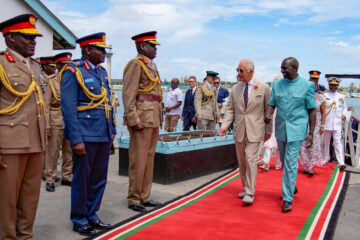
column 9, row 57
column 70, row 68
column 143, row 60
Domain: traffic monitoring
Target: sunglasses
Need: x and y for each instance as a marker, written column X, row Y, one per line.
column 240, row 70
column 216, row 83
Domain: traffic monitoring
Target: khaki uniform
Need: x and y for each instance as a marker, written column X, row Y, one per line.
column 22, row 143
column 142, row 143
column 55, row 121
column 206, row 108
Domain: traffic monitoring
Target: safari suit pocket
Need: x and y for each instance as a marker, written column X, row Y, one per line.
column 14, row 132
column 145, row 111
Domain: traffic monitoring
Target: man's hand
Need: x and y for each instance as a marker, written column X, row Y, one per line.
column 79, row 148
column 309, row 139
column 267, row 119
column 182, row 118
column 112, row 139
column 321, row 129
column 48, row 132
column 218, row 118
column 267, row 137
column 343, row 117
column 139, row 126
column 199, row 118
column 221, row 132
column 193, row 119
column 2, row 163
column 167, row 109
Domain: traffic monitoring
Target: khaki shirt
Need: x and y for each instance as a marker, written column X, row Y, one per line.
column 147, row 112
column 23, row 131
column 208, row 111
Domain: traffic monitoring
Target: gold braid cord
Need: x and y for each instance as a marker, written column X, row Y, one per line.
column 21, row 96
column 57, row 98
column 208, row 96
column 331, row 106
column 101, row 98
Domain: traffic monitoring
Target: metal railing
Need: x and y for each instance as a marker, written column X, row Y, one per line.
column 354, row 147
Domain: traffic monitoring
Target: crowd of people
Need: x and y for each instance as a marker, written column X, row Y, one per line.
column 60, row 102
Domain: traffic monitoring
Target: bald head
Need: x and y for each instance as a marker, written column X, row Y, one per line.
column 246, row 70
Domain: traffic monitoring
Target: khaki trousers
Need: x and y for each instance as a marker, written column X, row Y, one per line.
column 171, row 122
column 206, row 124
column 52, row 154
column 247, row 154
column 141, row 163
column 19, row 194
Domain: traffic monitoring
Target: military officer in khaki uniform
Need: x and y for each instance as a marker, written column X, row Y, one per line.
column 142, row 98
column 56, row 130
column 207, row 110
column 22, row 128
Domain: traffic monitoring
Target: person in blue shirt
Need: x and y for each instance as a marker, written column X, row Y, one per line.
column 188, row 113
column 294, row 99
column 89, row 125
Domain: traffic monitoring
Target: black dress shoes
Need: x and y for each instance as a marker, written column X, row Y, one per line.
column 66, row 183
column 86, row 230
column 50, row 187
column 100, row 225
column 137, row 207
column 151, row 203
column 57, row 179
column 287, row 207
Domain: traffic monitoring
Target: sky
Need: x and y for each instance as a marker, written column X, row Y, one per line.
column 202, row 35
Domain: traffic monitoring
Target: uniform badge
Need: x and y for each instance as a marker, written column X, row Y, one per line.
column 89, row 80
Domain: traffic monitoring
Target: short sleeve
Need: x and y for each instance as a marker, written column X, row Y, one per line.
column 179, row 96
column 271, row 101
column 310, row 97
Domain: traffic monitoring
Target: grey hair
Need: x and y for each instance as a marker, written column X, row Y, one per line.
column 250, row 66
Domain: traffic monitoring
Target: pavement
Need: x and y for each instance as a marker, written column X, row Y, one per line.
column 53, row 214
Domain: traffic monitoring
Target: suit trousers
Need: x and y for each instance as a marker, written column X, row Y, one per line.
column 247, row 154
column 338, row 146
column 52, row 154
column 289, row 152
column 141, row 163
column 206, row 124
column 187, row 124
column 19, row 194
column 89, row 181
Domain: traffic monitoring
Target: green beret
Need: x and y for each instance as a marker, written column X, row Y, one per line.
column 212, row 73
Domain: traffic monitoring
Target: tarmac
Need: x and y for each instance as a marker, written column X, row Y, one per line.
column 53, row 214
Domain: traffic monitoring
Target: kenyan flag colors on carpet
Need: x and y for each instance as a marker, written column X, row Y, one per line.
column 214, row 211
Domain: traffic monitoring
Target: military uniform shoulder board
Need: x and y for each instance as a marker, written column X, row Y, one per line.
column 9, row 57
column 34, row 60
column 143, row 60
column 70, row 68
column 342, row 92
column 86, row 65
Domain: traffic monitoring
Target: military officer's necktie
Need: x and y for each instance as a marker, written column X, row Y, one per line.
column 246, row 95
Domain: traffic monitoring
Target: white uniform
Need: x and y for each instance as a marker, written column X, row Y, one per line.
column 335, row 109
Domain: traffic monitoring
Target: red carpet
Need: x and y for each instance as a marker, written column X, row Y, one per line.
column 214, row 211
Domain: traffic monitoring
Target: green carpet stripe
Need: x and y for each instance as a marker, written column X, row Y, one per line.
column 305, row 229
column 139, row 228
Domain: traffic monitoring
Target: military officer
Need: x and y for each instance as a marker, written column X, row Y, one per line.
column 89, row 125
column 314, row 77
column 142, row 98
column 56, row 128
column 207, row 110
column 22, row 128
column 335, row 114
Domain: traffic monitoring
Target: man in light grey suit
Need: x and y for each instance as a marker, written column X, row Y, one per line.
column 247, row 106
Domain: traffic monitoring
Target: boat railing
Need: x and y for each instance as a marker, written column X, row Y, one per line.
column 352, row 140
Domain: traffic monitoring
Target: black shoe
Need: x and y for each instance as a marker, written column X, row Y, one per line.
column 57, row 179
column 287, row 207
column 151, row 203
column 100, row 225
column 66, row 183
column 86, row 230
column 50, row 187
column 305, row 172
column 137, row 207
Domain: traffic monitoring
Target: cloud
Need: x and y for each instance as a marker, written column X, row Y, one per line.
column 352, row 51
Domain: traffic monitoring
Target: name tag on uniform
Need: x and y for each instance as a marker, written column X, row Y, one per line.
column 89, row 80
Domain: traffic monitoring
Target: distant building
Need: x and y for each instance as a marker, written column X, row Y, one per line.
column 354, row 85
column 56, row 36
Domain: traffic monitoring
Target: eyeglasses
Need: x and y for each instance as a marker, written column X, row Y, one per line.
column 191, row 81
column 216, row 83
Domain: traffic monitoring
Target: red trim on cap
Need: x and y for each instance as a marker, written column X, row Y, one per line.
column 23, row 25
column 145, row 38
column 9, row 57
column 87, row 42
column 66, row 58
column 46, row 61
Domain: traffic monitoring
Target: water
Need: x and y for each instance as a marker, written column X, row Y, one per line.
column 353, row 102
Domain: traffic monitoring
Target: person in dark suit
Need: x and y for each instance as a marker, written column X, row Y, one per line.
column 89, row 125
column 188, row 113
column 221, row 94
